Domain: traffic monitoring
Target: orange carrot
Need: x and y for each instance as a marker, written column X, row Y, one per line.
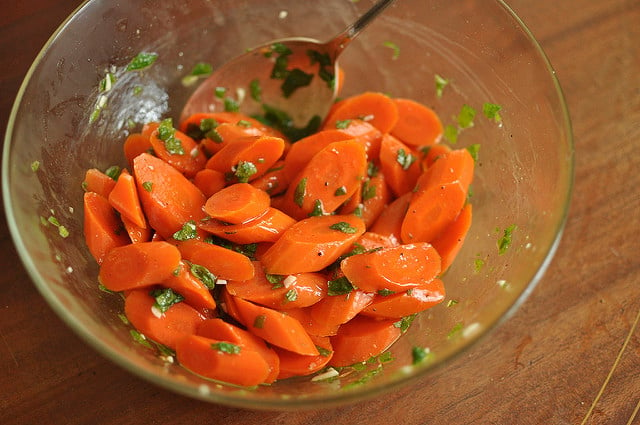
column 98, row 182
column 375, row 108
column 335, row 310
column 293, row 364
column 194, row 290
column 371, row 240
column 450, row 241
column 226, row 133
column 134, row 145
column 433, row 153
column 312, row 244
column 222, row 262
column 138, row 265
column 236, row 118
column 280, row 292
column 353, row 205
column 375, row 197
column 362, row 338
column 209, row 181
column 274, row 181
column 365, row 133
column 222, row 361
column 167, row 327
column 399, row 164
column 418, row 125
column 102, row 229
column 124, row 198
column 304, row 149
column 168, row 199
column 149, row 128
column 266, row 228
column 237, row 203
column 178, row 150
column 454, row 167
column 389, row 222
column 392, row 269
column 415, row 300
column 275, row 327
column 247, row 159
column 136, row 233
column 330, row 178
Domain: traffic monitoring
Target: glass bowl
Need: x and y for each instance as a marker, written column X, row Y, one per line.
column 523, row 179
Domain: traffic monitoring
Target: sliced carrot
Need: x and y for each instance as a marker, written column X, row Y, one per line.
column 220, row 330
column 312, row 244
column 399, row 164
column 375, row 197
column 375, row 108
column 188, row 159
column 275, row 327
column 247, row 159
column 362, row 338
column 335, row 310
column 136, row 233
column 237, row 203
column 281, row 292
column 294, row 364
column 149, row 128
column 222, row 262
column 98, row 182
column 194, row 291
column 134, row 145
column 456, row 166
column 165, row 328
column 222, row 361
column 389, row 222
column 228, row 305
column 209, row 181
column 103, row 229
column 236, row 118
column 266, row 228
column 124, row 198
column 138, row 265
column 168, row 198
column 353, row 205
column 415, row 300
column 274, row 181
column 431, row 211
column 418, row 125
column 450, row 241
column 365, row 133
column 371, row 240
column 432, row 153
column 330, row 178
column 227, row 133
column 396, row 268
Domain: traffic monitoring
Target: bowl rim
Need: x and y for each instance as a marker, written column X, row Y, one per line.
column 340, row 398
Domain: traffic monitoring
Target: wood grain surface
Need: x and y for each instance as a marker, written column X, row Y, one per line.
column 570, row 355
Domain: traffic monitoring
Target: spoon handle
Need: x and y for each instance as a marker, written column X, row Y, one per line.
column 340, row 41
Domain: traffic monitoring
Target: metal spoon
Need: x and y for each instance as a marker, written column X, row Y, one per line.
column 293, row 78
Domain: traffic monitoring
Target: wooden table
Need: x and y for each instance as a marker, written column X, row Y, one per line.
column 570, row 355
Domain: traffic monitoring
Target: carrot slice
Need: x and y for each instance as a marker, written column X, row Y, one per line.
column 399, row 164
column 167, row 327
column 456, row 166
column 194, row 291
column 362, row 338
column 138, row 265
column 372, row 240
column 136, row 233
column 312, row 244
column 415, row 300
column 222, row 262
column 266, row 228
column 274, row 181
column 294, row 364
column 375, row 197
column 330, row 178
column 124, row 198
column 433, row 153
column 134, row 145
column 102, row 229
column 184, row 154
column 220, row 330
column 237, row 203
column 396, row 268
column 389, row 222
column 275, row 327
column 98, row 182
column 335, row 310
column 280, row 292
column 222, row 361
column 241, row 120
column 365, row 133
column 450, row 241
column 375, row 108
column 209, row 181
column 418, row 125
column 168, row 198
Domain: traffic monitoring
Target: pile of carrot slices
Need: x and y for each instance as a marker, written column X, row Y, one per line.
column 256, row 259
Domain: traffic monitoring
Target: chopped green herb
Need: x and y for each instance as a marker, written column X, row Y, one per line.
column 358, row 211
column 326, row 72
column 339, row 286
column 385, row 292
column 244, row 170
column 492, row 112
column 323, row 351
column 199, row 70
column 451, row 133
column 255, row 90
column 372, row 169
column 226, row 347
column 258, row 322
column 295, row 79
column 385, row 357
column 165, row 298
column 275, row 280
column 478, row 264
column 405, row 322
column 35, row 166
column 140, row 338
column 455, row 331
column 123, row 318
column 405, row 159
column 141, row 61
column 176, row 271
column 451, row 303
column 368, row 190
column 466, row 116
column 317, row 210
column 394, row 47
column 148, row 186
column 300, row 192
column 342, row 124
column 420, row 354
column 166, row 133
column 137, row 90
column 105, row 289
column 290, row 295
column 219, row 92
column 203, row 275
column 441, row 83
column 283, row 122
column 340, row 191
column 245, row 124
column 53, row 221
column 188, row 231
column 230, row 105
column 113, row 172
column 473, row 150
column 505, row 241
column 344, row 227
column 106, row 83
column 280, row 49
column 63, row 232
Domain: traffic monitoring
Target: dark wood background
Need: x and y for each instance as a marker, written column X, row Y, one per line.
column 571, row 354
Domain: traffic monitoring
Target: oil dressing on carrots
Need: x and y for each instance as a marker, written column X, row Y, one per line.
column 255, row 258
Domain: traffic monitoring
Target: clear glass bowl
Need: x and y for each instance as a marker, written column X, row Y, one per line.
column 524, row 173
